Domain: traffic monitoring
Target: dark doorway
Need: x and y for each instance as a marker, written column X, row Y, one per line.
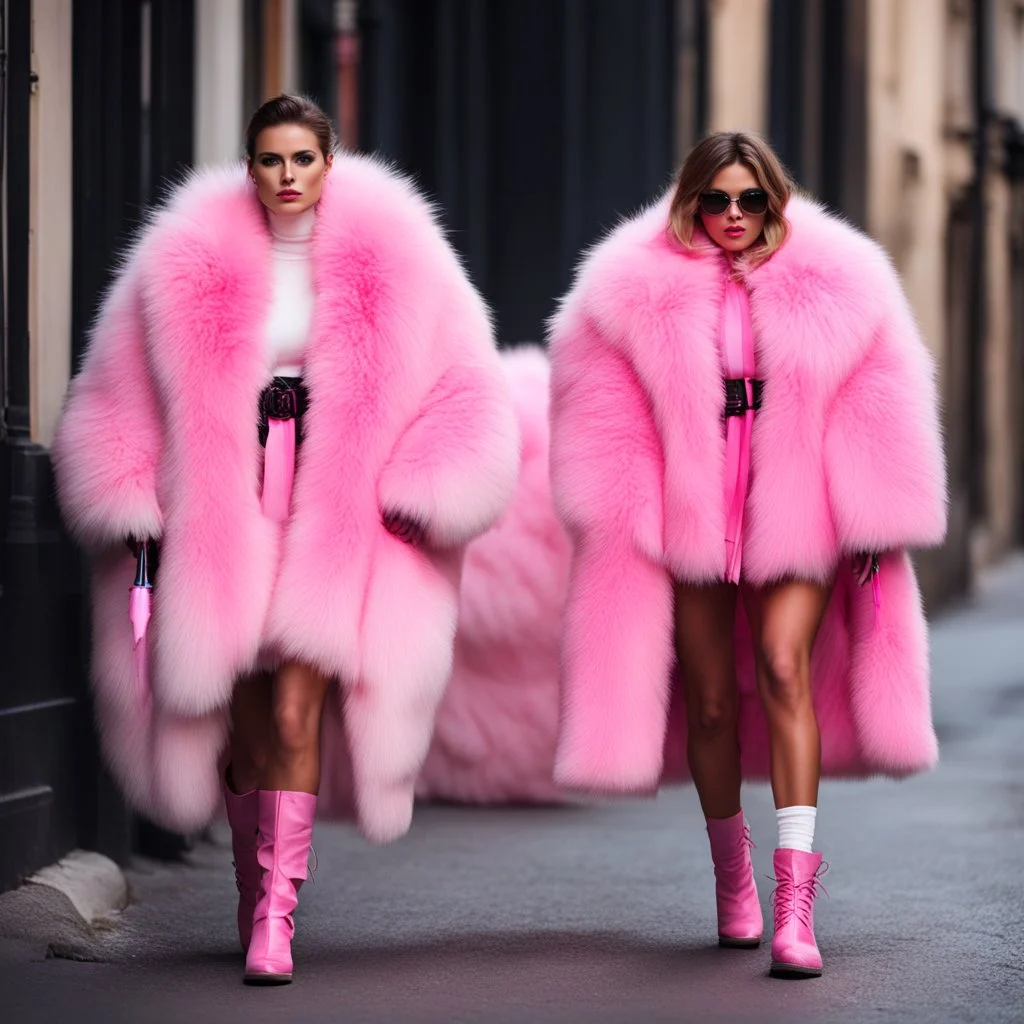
column 817, row 120
column 536, row 125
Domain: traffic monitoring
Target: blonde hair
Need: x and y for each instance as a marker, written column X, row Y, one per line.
column 706, row 159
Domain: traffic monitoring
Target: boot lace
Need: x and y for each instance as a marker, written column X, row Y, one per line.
column 738, row 857
column 740, row 854
column 797, row 899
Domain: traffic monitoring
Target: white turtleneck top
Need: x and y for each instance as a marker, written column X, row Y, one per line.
column 291, row 307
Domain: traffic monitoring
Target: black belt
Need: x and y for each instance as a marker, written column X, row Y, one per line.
column 284, row 398
column 736, row 403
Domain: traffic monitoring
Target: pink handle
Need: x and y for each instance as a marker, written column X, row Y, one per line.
column 139, row 612
column 139, row 609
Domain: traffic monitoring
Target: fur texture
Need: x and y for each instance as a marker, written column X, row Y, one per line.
column 846, row 457
column 409, row 411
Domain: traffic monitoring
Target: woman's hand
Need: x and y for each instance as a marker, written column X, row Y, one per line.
column 405, row 528
column 864, row 566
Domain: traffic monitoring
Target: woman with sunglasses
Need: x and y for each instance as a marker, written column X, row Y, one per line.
column 743, row 412
column 292, row 390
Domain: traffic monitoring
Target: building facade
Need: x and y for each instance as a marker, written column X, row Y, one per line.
column 907, row 116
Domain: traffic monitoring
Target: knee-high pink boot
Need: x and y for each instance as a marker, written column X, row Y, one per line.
column 286, row 830
column 740, row 922
column 243, row 815
column 794, row 948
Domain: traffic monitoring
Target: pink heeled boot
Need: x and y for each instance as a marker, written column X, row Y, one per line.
column 286, row 831
column 740, row 922
column 794, row 949
column 243, row 814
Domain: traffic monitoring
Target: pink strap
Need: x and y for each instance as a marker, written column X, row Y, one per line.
column 737, row 345
column 876, row 593
column 279, row 469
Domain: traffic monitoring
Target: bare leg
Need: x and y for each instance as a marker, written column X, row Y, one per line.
column 293, row 760
column 784, row 627
column 704, row 643
column 250, row 732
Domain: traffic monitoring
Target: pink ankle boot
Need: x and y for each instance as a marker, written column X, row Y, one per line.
column 286, row 830
column 243, row 814
column 739, row 911
column 794, row 949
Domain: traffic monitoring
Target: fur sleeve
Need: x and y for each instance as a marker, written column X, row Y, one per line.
column 454, row 466
column 606, row 470
column 606, row 458
column 883, row 444
column 108, row 440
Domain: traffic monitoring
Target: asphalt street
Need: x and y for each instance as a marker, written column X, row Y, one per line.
column 606, row 913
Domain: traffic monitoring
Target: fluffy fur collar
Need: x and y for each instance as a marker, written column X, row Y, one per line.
column 826, row 272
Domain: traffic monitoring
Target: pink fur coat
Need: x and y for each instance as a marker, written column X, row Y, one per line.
column 846, row 457
column 409, row 411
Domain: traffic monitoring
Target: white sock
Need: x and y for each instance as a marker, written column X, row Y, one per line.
column 796, row 828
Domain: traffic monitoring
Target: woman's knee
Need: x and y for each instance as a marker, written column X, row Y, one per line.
column 296, row 723
column 787, row 675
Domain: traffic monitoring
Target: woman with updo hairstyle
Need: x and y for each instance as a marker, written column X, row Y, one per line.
column 745, row 444
column 292, row 398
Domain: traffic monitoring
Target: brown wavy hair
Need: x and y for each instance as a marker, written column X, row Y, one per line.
column 705, row 160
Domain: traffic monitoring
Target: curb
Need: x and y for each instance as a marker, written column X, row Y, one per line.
column 66, row 909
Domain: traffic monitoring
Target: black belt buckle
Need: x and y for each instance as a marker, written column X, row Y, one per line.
column 281, row 403
column 284, row 398
column 736, row 395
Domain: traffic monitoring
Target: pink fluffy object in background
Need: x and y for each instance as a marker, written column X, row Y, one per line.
column 496, row 728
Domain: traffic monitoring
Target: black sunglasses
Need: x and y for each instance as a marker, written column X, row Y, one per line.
column 752, row 201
